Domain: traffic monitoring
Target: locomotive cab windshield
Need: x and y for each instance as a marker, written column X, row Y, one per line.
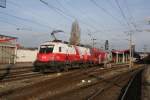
column 46, row 48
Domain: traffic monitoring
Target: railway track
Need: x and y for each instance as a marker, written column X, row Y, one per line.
column 102, row 88
column 21, row 77
column 14, row 72
column 53, row 86
column 20, row 72
column 113, row 82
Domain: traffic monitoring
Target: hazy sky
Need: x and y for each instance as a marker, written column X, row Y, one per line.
column 101, row 18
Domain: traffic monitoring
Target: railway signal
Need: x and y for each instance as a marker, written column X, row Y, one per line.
column 106, row 45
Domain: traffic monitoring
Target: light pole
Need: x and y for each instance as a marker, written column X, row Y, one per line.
column 93, row 39
column 130, row 49
column 145, row 50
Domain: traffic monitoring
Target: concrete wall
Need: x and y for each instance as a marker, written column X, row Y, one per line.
column 26, row 55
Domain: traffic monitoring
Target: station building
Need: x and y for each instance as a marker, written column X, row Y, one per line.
column 120, row 56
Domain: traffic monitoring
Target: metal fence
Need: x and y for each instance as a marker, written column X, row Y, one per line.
column 7, row 54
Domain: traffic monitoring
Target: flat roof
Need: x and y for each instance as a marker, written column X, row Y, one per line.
column 4, row 38
column 7, row 36
column 120, row 51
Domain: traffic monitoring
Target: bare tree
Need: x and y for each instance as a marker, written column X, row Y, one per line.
column 75, row 33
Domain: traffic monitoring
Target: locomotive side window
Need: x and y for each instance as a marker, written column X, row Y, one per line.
column 59, row 49
column 46, row 49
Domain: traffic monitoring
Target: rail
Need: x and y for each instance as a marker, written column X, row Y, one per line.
column 133, row 89
column 126, row 95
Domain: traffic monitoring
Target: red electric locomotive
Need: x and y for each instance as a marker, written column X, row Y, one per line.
column 57, row 55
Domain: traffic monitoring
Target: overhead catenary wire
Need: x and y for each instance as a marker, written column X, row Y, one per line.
column 130, row 30
column 60, row 4
column 123, row 15
column 107, row 12
column 133, row 22
column 13, row 24
column 82, row 12
column 32, row 13
column 57, row 10
column 24, row 19
column 64, row 14
column 8, row 23
column 61, row 12
column 112, row 5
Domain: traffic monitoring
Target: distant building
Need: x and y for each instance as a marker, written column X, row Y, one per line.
column 8, row 49
column 143, row 54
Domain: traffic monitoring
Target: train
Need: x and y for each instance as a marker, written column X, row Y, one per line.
column 59, row 55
